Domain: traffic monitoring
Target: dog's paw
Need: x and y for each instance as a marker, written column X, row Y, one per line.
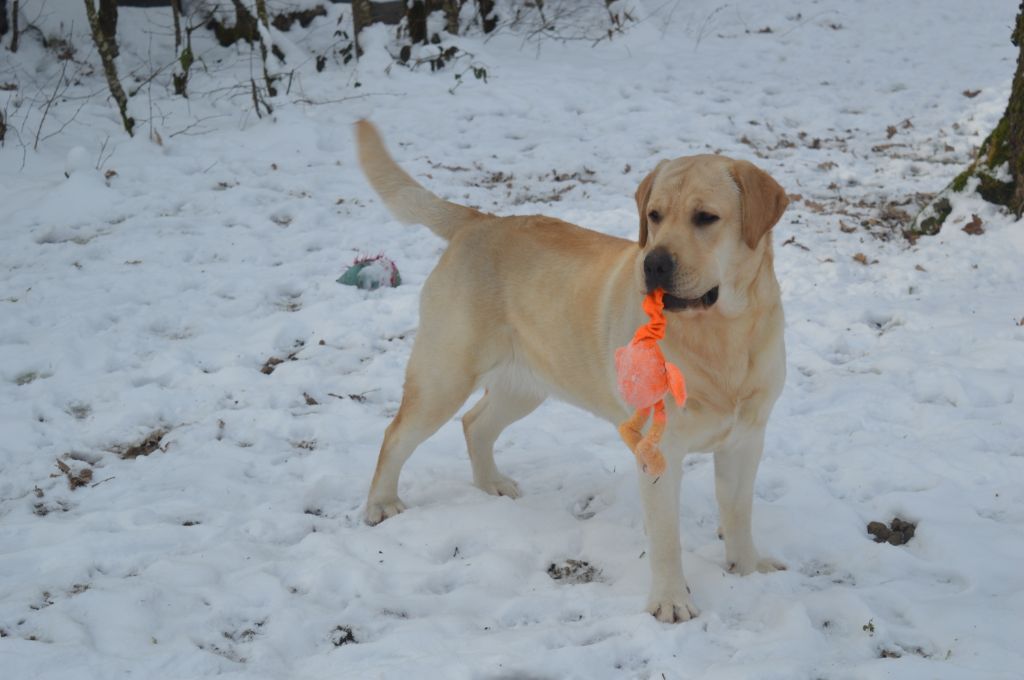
column 764, row 565
column 378, row 511
column 672, row 607
column 500, row 485
column 767, row 565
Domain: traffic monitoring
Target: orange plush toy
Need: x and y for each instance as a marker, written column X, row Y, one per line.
column 644, row 377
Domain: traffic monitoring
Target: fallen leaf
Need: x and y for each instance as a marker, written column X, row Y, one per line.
column 920, row 268
column 974, row 227
column 971, row 94
column 862, row 258
column 846, row 228
column 270, row 364
column 75, row 479
column 145, row 447
column 890, row 132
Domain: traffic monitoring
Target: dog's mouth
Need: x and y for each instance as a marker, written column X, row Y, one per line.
column 673, row 303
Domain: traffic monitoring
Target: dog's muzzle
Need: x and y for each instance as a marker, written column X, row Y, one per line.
column 659, row 270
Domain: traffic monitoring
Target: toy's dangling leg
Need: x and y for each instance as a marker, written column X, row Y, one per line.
column 632, row 430
column 647, row 450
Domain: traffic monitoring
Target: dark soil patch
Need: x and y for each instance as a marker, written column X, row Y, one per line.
column 247, row 635
column 898, row 532
column 898, row 652
column 574, row 571
column 342, row 635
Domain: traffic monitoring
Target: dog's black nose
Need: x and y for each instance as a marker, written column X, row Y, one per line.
column 659, row 269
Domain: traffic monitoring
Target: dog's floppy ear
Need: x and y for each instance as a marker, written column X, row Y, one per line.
column 762, row 200
column 643, row 194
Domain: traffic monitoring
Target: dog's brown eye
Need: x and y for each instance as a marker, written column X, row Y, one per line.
column 654, row 216
column 703, row 219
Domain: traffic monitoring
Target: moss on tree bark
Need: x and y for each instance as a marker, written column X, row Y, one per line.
column 997, row 172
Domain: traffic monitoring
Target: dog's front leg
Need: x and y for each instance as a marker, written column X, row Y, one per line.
column 735, row 468
column 670, row 596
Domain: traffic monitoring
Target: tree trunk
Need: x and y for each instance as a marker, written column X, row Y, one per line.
column 264, row 18
column 362, row 16
column 1001, row 155
column 14, row 26
column 109, row 67
column 416, row 21
column 3, row 18
column 417, row 12
column 185, row 57
column 108, row 24
column 176, row 15
column 451, row 15
column 1014, row 118
column 488, row 18
column 185, row 60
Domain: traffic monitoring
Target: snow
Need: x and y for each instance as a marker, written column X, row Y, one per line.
column 146, row 285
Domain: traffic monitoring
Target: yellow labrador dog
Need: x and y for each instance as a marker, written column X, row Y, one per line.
column 530, row 306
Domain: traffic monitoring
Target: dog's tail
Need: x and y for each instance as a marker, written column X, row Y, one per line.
column 409, row 202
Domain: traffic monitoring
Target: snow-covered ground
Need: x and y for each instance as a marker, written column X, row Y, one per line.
column 143, row 294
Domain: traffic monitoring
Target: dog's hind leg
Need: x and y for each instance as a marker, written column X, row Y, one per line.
column 496, row 410
column 434, row 391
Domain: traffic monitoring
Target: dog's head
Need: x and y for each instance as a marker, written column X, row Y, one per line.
column 703, row 226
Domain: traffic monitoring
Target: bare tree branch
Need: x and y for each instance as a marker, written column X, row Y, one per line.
column 49, row 102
